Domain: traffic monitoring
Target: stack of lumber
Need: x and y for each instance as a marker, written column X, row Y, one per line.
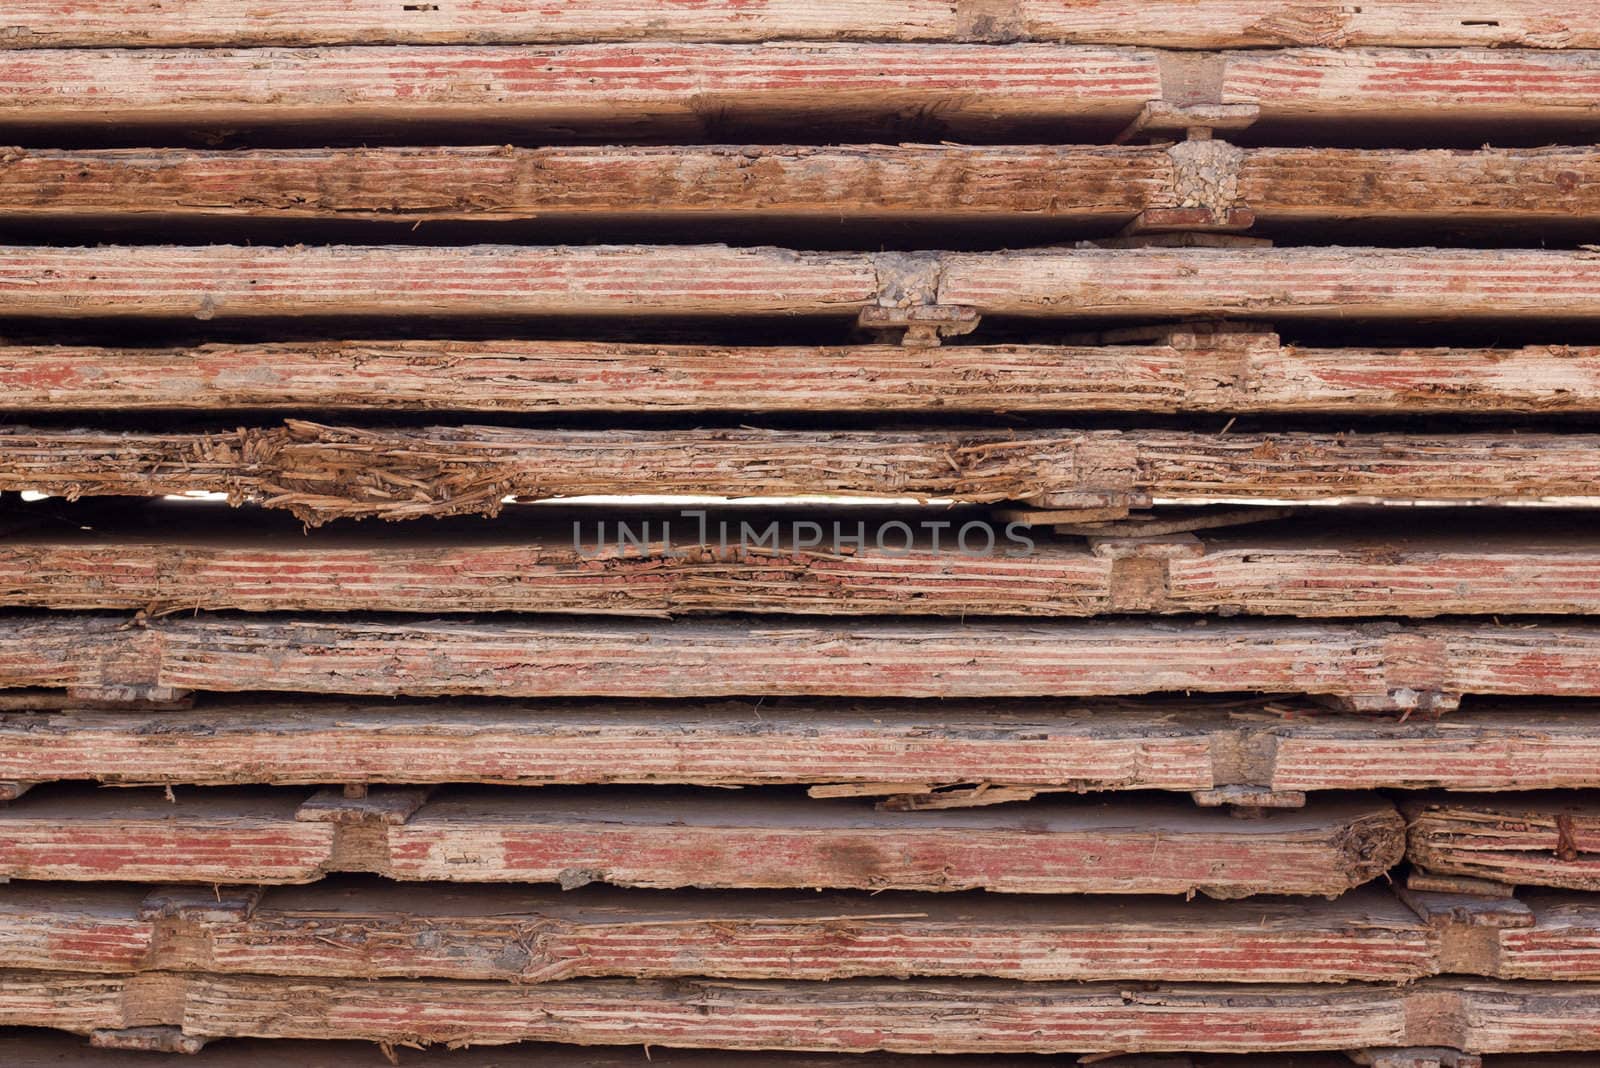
column 799, row 533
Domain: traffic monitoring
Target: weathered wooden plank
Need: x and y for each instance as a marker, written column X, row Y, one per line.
column 660, row 88
column 1563, row 944
column 779, row 742
column 320, row 472
column 368, row 929
column 662, row 567
column 1095, row 744
column 1492, row 185
column 226, row 282
column 1274, row 283
column 1536, row 839
column 1374, row 666
column 1402, row 85
column 43, row 1049
column 1167, row 23
column 844, row 1016
column 1092, row 184
column 695, row 839
column 672, row 88
column 229, row 837
column 1250, row 372
column 689, row 183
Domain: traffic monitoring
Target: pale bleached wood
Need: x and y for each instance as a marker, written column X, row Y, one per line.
column 705, row 840
column 1276, row 283
column 322, row 472
column 1376, row 665
column 1168, row 23
column 365, row 929
column 226, row 282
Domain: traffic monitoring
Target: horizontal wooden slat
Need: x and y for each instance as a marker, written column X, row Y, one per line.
column 321, row 472
column 227, row 282
column 1247, row 372
column 1444, row 187
column 666, row 88
column 931, row 184
column 1369, row 666
column 44, row 1049
column 617, row 89
column 707, row 841
column 1281, row 283
column 369, row 929
column 1377, row 666
column 1097, row 744
column 814, row 183
column 1563, row 943
column 1412, row 85
column 844, row 1016
column 1534, row 840
column 1169, row 23
column 660, row 566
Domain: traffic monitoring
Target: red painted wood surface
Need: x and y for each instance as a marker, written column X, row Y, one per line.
column 1537, row 839
column 1094, row 744
column 368, row 929
column 1378, row 665
column 575, row 838
column 843, row 1016
column 1353, row 570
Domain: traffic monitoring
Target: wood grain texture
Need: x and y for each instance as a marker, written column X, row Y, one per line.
column 844, row 1016
column 1380, row 666
column 1166, row 23
column 1094, row 184
column 1274, row 283
column 1563, row 945
column 320, row 472
column 45, row 1049
column 701, row 840
column 1094, row 744
column 1409, row 85
column 1224, row 373
column 228, row 282
column 1539, row 839
column 660, row 88
column 812, row 183
column 984, row 569
column 366, row 929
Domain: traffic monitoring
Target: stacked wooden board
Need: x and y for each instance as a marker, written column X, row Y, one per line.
column 800, row 533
